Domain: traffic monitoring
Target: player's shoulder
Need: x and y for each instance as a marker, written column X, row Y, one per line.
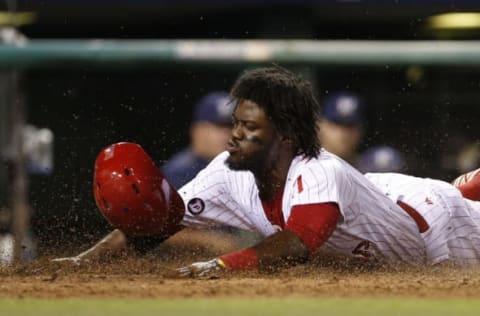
column 395, row 176
column 218, row 164
column 217, row 171
column 220, row 159
column 324, row 163
column 324, row 159
column 392, row 179
column 212, row 173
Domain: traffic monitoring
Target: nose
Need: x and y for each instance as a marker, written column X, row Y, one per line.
column 237, row 132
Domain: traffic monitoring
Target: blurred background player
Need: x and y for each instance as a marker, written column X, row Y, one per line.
column 341, row 126
column 381, row 159
column 341, row 131
column 209, row 133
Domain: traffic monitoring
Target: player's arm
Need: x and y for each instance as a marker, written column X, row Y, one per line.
column 307, row 228
column 114, row 244
column 111, row 245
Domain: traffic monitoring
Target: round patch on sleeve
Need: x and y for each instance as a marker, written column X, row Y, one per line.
column 196, row 206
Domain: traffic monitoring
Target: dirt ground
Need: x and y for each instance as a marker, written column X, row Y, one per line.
column 151, row 277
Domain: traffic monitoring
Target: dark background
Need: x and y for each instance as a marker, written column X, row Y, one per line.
column 428, row 112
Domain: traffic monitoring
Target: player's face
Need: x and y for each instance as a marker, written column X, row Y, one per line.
column 253, row 143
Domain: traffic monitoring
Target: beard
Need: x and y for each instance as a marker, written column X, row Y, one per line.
column 253, row 161
column 242, row 163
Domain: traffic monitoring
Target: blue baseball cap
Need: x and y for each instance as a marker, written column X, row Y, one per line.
column 215, row 107
column 381, row 159
column 344, row 108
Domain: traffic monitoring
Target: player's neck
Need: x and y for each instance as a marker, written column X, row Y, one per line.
column 272, row 180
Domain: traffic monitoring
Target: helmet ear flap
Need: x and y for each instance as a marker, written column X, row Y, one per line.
column 132, row 193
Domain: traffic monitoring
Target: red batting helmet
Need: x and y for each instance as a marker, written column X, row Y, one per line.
column 132, row 193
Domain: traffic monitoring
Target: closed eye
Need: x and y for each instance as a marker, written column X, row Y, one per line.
column 250, row 126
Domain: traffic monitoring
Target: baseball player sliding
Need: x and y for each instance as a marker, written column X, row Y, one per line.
column 276, row 180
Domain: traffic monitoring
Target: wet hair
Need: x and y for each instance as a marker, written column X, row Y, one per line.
column 288, row 100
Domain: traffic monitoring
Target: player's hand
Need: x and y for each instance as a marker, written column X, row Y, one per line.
column 201, row 269
column 76, row 261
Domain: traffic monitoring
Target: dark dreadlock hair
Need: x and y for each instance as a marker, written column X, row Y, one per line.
column 288, row 100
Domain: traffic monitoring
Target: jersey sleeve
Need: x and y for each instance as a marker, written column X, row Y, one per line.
column 323, row 182
column 313, row 223
column 205, row 196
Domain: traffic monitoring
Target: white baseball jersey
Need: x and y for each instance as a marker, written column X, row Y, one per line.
column 372, row 226
column 454, row 222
